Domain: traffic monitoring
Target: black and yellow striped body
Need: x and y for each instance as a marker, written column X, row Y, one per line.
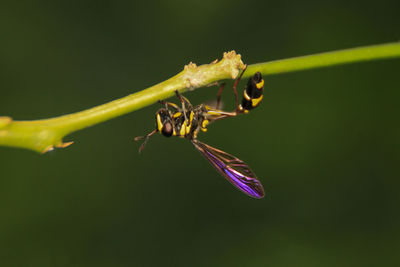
column 177, row 124
column 253, row 93
column 182, row 124
column 186, row 121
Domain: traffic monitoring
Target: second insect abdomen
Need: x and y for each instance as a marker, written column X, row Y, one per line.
column 253, row 93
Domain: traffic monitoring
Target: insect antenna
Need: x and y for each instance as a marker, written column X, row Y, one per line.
column 146, row 138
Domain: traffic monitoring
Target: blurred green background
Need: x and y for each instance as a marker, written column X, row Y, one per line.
column 325, row 143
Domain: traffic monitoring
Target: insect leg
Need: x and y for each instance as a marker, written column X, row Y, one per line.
column 220, row 90
column 169, row 104
column 235, row 91
column 183, row 99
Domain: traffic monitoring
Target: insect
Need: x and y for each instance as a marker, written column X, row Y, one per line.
column 186, row 121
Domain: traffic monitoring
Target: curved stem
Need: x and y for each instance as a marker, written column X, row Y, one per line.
column 44, row 135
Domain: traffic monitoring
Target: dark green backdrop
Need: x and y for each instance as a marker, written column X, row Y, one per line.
column 325, row 143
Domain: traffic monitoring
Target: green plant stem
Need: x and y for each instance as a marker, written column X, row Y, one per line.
column 44, row 135
column 365, row 53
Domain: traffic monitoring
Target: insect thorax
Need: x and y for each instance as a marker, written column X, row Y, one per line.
column 176, row 124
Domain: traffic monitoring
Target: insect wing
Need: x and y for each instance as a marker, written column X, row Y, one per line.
column 233, row 169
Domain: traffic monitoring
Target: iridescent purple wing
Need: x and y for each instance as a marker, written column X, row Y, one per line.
column 233, row 169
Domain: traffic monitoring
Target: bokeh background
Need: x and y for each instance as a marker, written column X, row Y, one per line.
column 325, row 143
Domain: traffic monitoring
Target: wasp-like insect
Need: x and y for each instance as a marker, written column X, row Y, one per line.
column 187, row 120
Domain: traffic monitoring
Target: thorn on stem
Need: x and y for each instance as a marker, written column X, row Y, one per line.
column 64, row 145
column 48, row 149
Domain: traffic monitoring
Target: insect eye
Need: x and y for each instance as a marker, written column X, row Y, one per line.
column 167, row 129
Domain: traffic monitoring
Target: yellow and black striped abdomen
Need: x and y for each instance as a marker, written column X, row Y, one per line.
column 253, row 93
